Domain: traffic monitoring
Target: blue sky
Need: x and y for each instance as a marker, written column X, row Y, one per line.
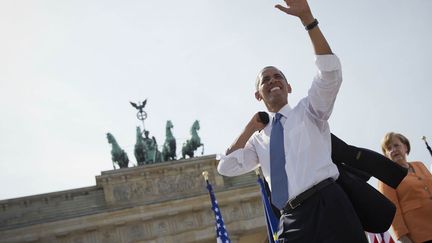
column 68, row 70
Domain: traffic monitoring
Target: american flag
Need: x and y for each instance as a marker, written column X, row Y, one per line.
column 221, row 232
column 380, row 238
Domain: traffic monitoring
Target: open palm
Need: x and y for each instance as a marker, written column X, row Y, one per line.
column 299, row 8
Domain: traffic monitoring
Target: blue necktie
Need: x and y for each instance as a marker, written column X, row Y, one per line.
column 279, row 180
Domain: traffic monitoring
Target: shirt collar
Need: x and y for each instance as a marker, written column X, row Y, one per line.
column 284, row 111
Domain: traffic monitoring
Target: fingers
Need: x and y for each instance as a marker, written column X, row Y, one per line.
column 263, row 117
column 283, row 9
column 260, row 126
column 294, row 7
column 256, row 119
column 255, row 124
column 258, row 122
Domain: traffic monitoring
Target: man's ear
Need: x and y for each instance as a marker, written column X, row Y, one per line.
column 258, row 96
column 289, row 88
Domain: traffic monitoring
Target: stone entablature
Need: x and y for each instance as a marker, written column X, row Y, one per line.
column 165, row 202
column 159, row 182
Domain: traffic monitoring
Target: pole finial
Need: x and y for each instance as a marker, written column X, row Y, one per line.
column 427, row 145
column 205, row 174
column 257, row 172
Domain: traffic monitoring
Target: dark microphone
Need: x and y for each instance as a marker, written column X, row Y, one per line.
column 264, row 117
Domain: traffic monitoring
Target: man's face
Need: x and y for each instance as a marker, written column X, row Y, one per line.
column 272, row 88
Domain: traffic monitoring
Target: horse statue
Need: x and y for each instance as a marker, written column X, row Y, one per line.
column 169, row 147
column 140, row 148
column 193, row 143
column 118, row 155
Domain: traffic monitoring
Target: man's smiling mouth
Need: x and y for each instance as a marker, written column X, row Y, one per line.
column 274, row 88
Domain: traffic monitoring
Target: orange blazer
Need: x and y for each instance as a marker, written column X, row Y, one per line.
column 413, row 201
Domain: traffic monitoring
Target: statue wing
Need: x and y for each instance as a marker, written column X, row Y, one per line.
column 144, row 103
column 134, row 105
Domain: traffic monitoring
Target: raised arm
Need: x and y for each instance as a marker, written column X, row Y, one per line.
column 241, row 158
column 255, row 124
column 300, row 9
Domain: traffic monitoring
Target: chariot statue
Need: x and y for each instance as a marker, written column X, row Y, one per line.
column 140, row 148
column 153, row 154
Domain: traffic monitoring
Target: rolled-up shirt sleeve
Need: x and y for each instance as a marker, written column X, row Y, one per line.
column 238, row 162
column 325, row 86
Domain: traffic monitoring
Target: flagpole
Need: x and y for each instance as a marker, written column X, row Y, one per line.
column 427, row 145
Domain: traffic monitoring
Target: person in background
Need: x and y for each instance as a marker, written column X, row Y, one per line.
column 413, row 196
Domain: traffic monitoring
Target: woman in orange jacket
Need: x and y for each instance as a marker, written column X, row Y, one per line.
column 413, row 196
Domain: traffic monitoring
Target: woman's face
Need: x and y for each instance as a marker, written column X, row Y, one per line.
column 396, row 151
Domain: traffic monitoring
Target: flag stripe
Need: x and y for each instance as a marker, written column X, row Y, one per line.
column 380, row 238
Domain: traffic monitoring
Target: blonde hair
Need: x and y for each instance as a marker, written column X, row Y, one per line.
column 389, row 136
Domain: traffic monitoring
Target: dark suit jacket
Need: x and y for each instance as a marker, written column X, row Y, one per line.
column 356, row 165
column 374, row 210
column 364, row 163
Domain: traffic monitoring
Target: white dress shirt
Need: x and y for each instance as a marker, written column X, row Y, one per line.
column 306, row 136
